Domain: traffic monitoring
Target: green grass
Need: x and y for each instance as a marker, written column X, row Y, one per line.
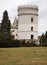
column 23, row 56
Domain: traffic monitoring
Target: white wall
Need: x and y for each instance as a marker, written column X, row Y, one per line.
column 27, row 35
column 25, row 25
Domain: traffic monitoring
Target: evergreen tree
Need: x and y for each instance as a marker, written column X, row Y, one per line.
column 5, row 26
column 46, row 37
column 43, row 38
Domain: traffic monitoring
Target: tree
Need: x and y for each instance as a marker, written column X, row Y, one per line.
column 46, row 37
column 5, row 26
column 43, row 38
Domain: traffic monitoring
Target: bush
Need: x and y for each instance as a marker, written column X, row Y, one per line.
column 23, row 43
column 9, row 43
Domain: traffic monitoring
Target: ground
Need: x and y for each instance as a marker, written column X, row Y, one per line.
column 23, row 56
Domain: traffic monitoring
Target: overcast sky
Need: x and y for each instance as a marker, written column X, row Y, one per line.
column 12, row 5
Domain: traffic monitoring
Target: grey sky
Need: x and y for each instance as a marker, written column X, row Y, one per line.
column 12, row 5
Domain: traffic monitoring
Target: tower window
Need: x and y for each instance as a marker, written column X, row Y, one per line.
column 32, row 36
column 31, row 28
column 16, row 34
column 31, row 19
column 17, row 25
column 17, row 21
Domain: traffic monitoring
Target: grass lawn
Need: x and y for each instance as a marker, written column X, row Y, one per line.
column 23, row 56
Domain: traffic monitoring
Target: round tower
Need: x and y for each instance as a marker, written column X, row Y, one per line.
column 28, row 22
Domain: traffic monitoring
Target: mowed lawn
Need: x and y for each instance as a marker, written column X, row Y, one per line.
column 23, row 56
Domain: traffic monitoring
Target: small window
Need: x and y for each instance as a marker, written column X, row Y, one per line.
column 17, row 25
column 13, row 36
column 31, row 19
column 16, row 34
column 32, row 36
column 31, row 28
column 13, row 30
column 17, row 22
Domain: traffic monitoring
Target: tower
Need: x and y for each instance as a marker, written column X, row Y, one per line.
column 28, row 22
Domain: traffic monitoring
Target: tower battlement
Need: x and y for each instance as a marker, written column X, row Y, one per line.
column 28, row 6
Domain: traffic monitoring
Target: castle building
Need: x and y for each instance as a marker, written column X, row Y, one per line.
column 26, row 26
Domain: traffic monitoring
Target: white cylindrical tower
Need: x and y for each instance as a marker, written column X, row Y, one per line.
column 28, row 22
